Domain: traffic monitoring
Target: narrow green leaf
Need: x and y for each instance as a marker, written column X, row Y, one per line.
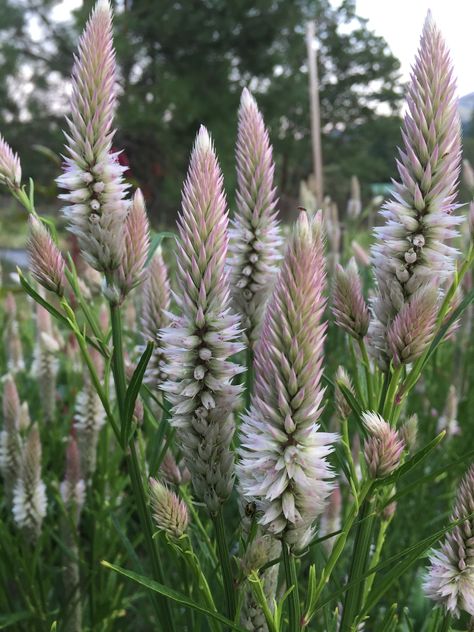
column 134, row 389
column 7, row 620
column 169, row 593
column 156, row 241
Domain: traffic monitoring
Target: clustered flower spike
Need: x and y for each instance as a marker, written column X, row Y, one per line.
column 349, row 306
column 93, row 176
column 450, row 578
column 73, row 488
column 343, row 410
column 411, row 250
column 46, row 260
column 29, row 494
column 413, row 327
column 384, row 448
column 154, row 315
column 10, row 168
column 10, row 440
column 200, row 342
column 283, row 466
column 89, row 417
column 137, row 243
column 169, row 512
column 255, row 236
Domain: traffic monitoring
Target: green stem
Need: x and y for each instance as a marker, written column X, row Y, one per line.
column 391, row 394
column 292, row 582
column 360, row 556
column 376, row 556
column 224, row 558
column 368, row 376
column 446, row 623
column 133, row 466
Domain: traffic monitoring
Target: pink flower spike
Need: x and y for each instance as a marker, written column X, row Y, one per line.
column 46, row 260
column 10, row 168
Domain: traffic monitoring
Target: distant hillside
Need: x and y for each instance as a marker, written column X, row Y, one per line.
column 466, row 107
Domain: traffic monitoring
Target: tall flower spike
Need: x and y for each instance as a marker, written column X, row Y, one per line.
column 255, row 236
column 283, row 466
column 412, row 329
column 29, row 495
column 383, row 449
column 343, row 410
column 72, row 487
column 201, row 340
column 411, row 251
column 354, row 205
column 10, row 168
column 154, row 316
column 450, row 578
column 10, row 440
column 137, row 242
column 92, row 175
column 46, row 260
column 349, row 308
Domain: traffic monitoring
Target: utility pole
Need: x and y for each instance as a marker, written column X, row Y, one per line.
column 315, row 112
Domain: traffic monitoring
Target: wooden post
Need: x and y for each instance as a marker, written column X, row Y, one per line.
column 315, row 113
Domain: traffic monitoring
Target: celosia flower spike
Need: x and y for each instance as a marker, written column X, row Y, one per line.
column 349, row 308
column 10, row 168
column 200, row 342
column 92, row 175
column 137, row 242
column 283, row 466
column 412, row 329
column 450, row 578
column 255, row 236
column 411, row 250
column 46, row 260
column 384, row 447
column 73, row 487
column 169, row 512
column 29, row 495
column 154, row 316
column 10, row 440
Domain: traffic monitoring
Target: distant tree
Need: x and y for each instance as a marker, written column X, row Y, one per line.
column 185, row 62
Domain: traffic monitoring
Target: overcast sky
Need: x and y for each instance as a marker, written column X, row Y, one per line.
column 400, row 23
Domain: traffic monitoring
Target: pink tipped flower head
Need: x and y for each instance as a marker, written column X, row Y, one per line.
column 46, row 261
column 29, row 495
column 92, row 175
column 411, row 250
column 10, row 168
column 11, row 404
column 73, row 487
column 200, row 342
column 450, row 578
column 384, row 447
column 412, row 330
column 349, row 307
column 154, row 316
column 343, row 410
column 137, row 243
column 10, row 440
column 169, row 512
column 255, row 236
column 283, row 466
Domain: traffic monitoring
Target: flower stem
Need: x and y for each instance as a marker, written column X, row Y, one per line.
column 368, row 377
column 223, row 553
column 360, row 556
column 292, row 581
column 446, row 623
column 133, row 466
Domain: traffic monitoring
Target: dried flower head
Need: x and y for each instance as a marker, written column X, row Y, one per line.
column 10, row 168
column 283, row 466
column 169, row 512
column 412, row 329
column 29, row 495
column 349, row 307
column 200, row 342
column 450, row 578
column 92, row 174
column 255, row 237
column 46, row 260
column 384, row 448
column 411, row 250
